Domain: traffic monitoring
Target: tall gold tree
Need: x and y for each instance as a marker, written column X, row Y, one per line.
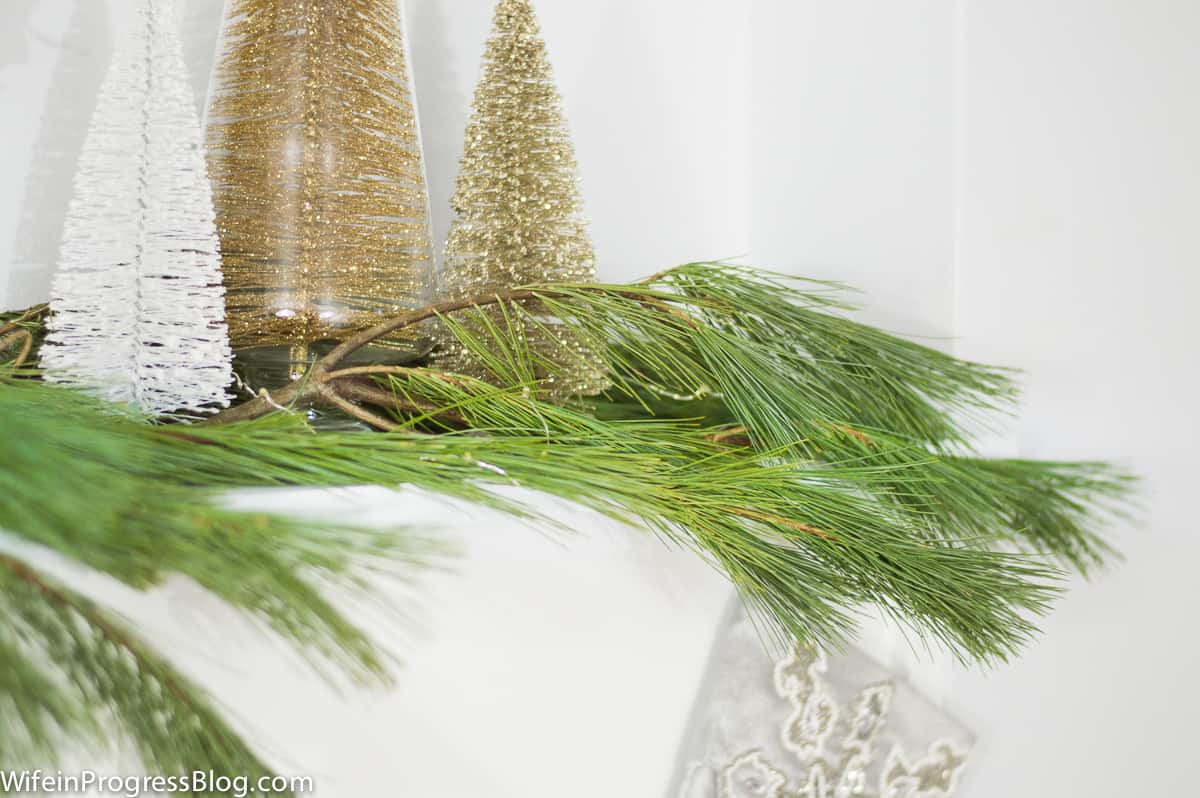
column 315, row 157
column 518, row 213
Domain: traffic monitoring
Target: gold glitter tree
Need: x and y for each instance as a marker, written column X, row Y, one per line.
column 518, row 211
column 320, row 190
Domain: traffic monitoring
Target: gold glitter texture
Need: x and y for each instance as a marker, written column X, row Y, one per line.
column 315, row 158
column 518, row 211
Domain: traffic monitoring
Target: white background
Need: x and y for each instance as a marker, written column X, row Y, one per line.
column 1018, row 179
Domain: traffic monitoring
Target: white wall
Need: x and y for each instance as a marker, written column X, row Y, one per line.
column 852, row 135
column 1025, row 177
column 1080, row 198
column 654, row 94
column 1017, row 179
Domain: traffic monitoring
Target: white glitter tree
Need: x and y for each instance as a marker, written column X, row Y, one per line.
column 138, row 305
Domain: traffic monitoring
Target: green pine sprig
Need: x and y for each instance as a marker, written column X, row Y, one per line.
column 74, row 670
column 821, row 464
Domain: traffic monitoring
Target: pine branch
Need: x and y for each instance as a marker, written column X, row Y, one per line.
column 128, row 517
column 818, row 462
column 36, row 714
column 78, row 656
column 767, row 356
column 21, row 335
column 799, row 540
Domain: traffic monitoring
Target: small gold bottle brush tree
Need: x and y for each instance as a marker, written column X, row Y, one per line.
column 518, row 212
column 319, row 182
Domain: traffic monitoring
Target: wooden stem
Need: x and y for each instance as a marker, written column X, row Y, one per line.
column 32, row 315
column 318, row 385
column 7, row 341
column 332, row 397
column 370, row 393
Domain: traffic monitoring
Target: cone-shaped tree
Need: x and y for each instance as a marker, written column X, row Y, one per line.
column 518, row 214
column 318, row 175
column 137, row 298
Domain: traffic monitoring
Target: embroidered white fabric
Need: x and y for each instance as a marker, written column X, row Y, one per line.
column 810, row 725
column 137, row 301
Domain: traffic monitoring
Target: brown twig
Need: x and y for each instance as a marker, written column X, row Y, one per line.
column 35, row 313
column 366, row 337
column 320, row 384
column 858, row 435
column 676, row 312
column 331, row 396
column 317, row 386
column 369, row 392
column 8, row 340
column 657, row 277
column 395, row 371
column 371, row 371
column 264, row 404
column 13, row 331
column 754, row 515
column 739, row 435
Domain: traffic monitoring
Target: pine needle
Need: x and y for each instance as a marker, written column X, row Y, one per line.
column 822, row 465
column 86, row 658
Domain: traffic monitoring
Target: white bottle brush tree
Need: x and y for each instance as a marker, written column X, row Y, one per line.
column 138, row 306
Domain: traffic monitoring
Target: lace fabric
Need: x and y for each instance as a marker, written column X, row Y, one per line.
column 811, row 725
